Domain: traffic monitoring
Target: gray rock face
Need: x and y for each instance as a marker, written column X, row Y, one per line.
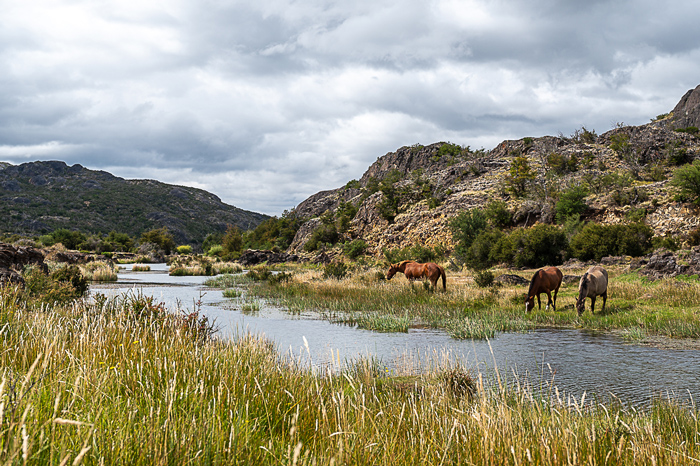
column 254, row 257
column 687, row 111
column 13, row 259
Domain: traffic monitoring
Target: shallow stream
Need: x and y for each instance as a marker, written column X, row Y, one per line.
column 602, row 365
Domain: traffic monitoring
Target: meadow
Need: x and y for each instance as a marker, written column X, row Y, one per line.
column 637, row 308
column 123, row 381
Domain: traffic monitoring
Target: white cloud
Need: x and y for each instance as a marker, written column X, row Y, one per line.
column 266, row 103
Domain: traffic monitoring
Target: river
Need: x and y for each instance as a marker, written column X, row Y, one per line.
column 601, row 366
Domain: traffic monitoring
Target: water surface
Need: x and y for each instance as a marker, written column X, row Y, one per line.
column 601, row 365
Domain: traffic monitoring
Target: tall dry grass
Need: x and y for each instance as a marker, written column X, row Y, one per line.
column 116, row 381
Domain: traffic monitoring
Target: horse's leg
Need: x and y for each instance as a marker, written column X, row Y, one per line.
column 605, row 299
column 539, row 303
column 554, row 301
column 549, row 300
column 592, row 304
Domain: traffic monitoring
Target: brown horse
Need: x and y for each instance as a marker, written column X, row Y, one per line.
column 544, row 281
column 415, row 271
column 593, row 283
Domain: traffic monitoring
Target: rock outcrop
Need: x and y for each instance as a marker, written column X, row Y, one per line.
column 13, row 259
column 254, row 257
column 687, row 111
column 439, row 181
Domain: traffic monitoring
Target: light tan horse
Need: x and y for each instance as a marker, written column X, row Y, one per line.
column 544, row 281
column 414, row 271
column 593, row 283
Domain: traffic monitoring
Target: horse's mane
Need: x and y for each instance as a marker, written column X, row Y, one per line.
column 532, row 283
column 584, row 280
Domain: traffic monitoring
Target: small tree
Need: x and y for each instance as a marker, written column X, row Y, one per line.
column 465, row 228
column 232, row 242
column 160, row 237
column 687, row 179
column 571, row 203
column 519, row 176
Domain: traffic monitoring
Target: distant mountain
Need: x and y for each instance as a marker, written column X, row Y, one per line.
column 39, row 197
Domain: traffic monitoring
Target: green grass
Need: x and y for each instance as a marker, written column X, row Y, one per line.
column 635, row 306
column 121, row 381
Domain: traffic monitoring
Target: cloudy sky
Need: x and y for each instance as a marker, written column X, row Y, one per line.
column 266, row 102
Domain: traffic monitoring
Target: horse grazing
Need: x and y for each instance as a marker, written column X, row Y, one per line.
column 415, row 270
column 544, row 281
column 593, row 283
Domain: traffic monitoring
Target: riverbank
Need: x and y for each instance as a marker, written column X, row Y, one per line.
column 111, row 381
column 662, row 313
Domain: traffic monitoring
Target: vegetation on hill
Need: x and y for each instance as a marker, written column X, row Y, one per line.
column 40, row 197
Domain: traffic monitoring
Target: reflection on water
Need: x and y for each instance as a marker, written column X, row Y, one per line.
column 575, row 361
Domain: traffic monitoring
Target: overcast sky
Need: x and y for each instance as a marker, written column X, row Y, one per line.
column 266, row 102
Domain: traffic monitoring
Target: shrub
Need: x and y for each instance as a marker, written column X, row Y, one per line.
column 355, row 248
column 324, row 234
column 677, row 155
column 687, row 179
column 232, row 242
column 216, row 250
column 596, row 241
column 519, row 176
column 418, row 253
column 160, row 237
column 184, row 249
column 449, row 149
column 465, row 228
column 665, row 242
column 336, row 270
column 571, row 203
column 498, row 214
column 483, row 278
column 536, row 246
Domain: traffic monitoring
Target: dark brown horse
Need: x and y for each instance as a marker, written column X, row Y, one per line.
column 416, row 271
column 593, row 283
column 544, row 281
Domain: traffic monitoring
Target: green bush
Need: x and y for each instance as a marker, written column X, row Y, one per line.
column 519, row 176
column 160, row 237
column 687, row 179
column 596, row 241
column 449, row 149
column 418, row 253
column 571, row 203
column 184, row 249
column 484, row 278
column 465, row 228
column 498, row 214
column 324, row 234
column 216, row 250
column 532, row 247
column 355, row 248
column 336, row 270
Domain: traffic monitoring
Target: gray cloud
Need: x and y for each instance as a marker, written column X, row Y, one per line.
column 266, row 103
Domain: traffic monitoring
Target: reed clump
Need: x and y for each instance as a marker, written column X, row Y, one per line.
column 141, row 268
column 123, row 381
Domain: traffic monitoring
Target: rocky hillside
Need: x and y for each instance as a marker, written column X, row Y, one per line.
column 39, row 197
column 627, row 171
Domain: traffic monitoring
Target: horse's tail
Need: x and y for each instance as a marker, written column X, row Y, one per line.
column 444, row 278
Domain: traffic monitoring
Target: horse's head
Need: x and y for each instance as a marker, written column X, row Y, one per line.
column 582, row 294
column 529, row 303
column 392, row 271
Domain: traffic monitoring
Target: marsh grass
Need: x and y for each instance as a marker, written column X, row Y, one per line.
column 141, row 268
column 102, row 381
column 99, row 271
column 669, row 307
column 232, row 293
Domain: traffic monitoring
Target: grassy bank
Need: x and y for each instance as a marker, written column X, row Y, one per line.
column 636, row 307
column 119, row 381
